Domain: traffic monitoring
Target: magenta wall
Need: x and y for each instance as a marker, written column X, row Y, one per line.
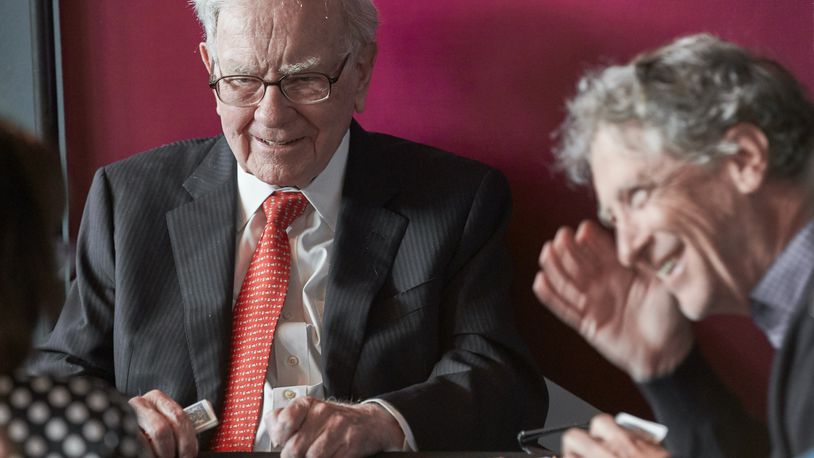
column 482, row 78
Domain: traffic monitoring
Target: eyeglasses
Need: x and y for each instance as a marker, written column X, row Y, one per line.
column 302, row 88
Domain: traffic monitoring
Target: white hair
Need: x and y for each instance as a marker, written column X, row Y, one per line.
column 360, row 16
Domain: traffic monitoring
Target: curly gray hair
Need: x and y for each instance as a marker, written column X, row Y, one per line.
column 689, row 93
column 361, row 20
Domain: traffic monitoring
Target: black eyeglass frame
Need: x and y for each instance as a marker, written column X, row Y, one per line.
column 279, row 83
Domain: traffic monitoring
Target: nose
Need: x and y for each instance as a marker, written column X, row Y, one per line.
column 631, row 240
column 274, row 109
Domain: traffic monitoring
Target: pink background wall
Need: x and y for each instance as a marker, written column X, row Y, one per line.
column 481, row 78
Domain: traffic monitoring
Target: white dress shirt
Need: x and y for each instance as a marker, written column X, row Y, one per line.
column 295, row 367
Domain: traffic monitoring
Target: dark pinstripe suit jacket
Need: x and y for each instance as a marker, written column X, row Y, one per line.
column 417, row 309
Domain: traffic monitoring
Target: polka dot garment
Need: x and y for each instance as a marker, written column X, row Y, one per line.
column 80, row 417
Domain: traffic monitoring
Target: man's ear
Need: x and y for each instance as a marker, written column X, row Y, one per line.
column 205, row 57
column 748, row 166
column 208, row 64
column 364, row 65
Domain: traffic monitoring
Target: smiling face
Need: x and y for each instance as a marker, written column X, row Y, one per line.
column 280, row 142
column 678, row 221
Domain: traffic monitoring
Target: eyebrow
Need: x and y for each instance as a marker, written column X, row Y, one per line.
column 298, row 67
column 286, row 69
column 234, row 68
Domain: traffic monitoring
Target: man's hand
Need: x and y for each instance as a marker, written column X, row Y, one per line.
column 628, row 316
column 606, row 439
column 165, row 425
column 311, row 428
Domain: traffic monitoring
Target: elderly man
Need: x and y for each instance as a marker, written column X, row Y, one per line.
column 698, row 154
column 331, row 291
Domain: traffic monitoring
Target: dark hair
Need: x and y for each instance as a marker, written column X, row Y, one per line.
column 30, row 207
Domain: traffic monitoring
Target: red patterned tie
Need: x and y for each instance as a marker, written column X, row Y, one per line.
column 258, row 306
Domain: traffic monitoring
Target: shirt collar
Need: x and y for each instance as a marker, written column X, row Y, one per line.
column 323, row 193
column 783, row 288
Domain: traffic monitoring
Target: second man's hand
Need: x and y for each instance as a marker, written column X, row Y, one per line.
column 607, row 439
column 628, row 316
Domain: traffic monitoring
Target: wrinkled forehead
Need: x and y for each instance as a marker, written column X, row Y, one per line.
column 278, row 32
column 623, row 155
column 622, row 144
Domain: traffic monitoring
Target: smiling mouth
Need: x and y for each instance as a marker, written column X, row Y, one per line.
column 270, row 142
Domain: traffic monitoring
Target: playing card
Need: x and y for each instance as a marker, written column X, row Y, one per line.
column 202, row 416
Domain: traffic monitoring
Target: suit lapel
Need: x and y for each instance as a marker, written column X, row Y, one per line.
column 202, row 234
column 367, row 239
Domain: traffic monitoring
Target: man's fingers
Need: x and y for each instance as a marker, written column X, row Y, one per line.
column 309, row 443
column 296, row 446
column 576, row 260
column 184, row 431
column 623, row 441
column 287, row 421
column 330, row 429
column 595, row 241
column 155, row 427
column 328, row 445
column 342, row 450
column 556, row 303
column 604, row 427
column 311, row 429
column 558, row 279
column 578, row 443
column 165, row 425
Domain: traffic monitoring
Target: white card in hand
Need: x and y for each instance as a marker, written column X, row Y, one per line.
column 655, row 431
column 202, row 416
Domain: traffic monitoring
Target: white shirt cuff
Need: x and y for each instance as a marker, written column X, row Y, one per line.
column 409, row 441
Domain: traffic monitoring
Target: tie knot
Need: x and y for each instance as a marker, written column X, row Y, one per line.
column 282, row 208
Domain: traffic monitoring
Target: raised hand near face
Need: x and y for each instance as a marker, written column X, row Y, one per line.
column 628, row 316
